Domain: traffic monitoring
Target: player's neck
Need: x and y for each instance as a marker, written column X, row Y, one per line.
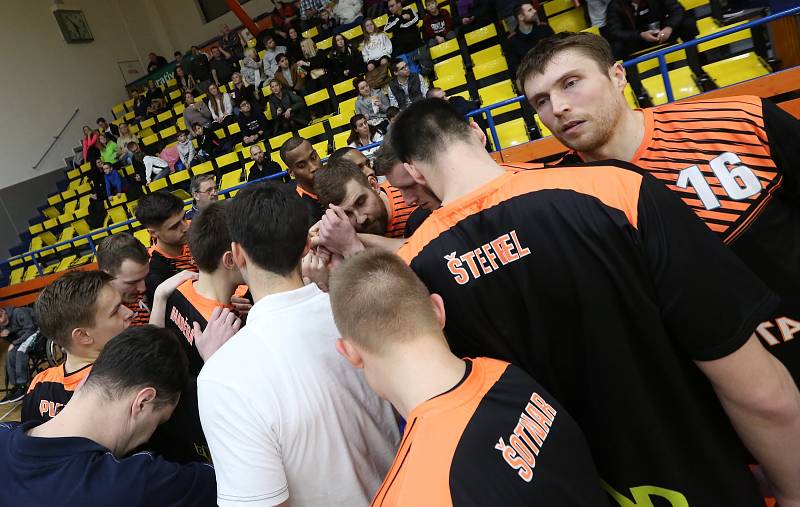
column 465, row 173
column 171, row 250
column 435, row 370
column 79, row 359
column 262, row 283
column 216, row 286
column 625, row 139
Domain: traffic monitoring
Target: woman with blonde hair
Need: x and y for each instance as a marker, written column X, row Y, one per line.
column 125, row 137
column 315, row 65
column 251, row 68
column 377, row 47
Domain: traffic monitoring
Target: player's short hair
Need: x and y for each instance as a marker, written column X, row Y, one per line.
column 69, row 303
column 197, row 182
column 116, row 249
column 377, row 300
column 423, row 128
column 208, row 236
column 270, row 222
column 140, row 357
column 290, row 144
column 385, row 160
column 154, row 209
column 329, row 184
column 537, row 59
column 339, row 154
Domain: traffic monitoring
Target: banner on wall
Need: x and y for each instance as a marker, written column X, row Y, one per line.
column 160, row 76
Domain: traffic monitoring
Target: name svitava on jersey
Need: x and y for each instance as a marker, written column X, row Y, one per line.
column 488, row 257
column 528, row 437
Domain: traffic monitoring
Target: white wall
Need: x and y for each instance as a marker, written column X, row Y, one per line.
column 44, row 79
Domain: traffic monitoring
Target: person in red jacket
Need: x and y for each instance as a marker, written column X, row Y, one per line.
column 437, row 24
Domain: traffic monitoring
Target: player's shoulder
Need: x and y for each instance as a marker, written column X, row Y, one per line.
column 729, row 107
column 54, row 374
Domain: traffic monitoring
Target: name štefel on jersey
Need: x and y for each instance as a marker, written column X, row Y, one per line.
column 487, row 258
column 528, row 437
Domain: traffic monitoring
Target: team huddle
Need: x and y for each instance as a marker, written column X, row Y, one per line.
column 614, row 329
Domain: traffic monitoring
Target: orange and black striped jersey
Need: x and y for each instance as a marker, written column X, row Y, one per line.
column 497, row 438
column 50, row 390
column 398, row 210
column 141, row 313
column 735, row 162
column 163, row 266
column 600, row 284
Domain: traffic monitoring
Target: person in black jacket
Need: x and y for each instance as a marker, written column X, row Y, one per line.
column 208, row 144
column 262, row 165
column 240, row 91
column 528, row 33
column 637, row 25
column 345, row 61
column 156, row 62
column 253, row 124
column 402, row 23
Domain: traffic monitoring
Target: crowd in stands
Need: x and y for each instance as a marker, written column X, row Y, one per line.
column 502, row 320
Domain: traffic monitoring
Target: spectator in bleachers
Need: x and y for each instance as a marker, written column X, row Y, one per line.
column 290, row 75
column 201, row 70
column 372, row 104
column 162, row 214
column 636, row 25
column 309, row 10
column 170, row 155
column 326, row 25
column 405, row 87
column 203, row 188
column 407, row 37
column 310, row 403
column 504, row 9
column 185, row 81
column 293, row 40
column 221, row 66
column 262, row 167
column 91, row 152
column 232, row 42
column 110, row 130
column 85, row 456
column 221, row 106
column 467, row 12
column 302, row 162
column 125, row 138
column 253, row 124
column 17, row 327
column 108, row 149
column 315, row 65
column 437, row 24
column 346, row 61
column 528, row 33
column 288, row 109
column 154, row 91
column 252, row 72
column 240, row 91
column 377, row 47
column 113, row 181
column 208, row 144
column 347, row 14
column 140, row 105
column 284, row 17
column 81, row 311
column 186, row 151
column 363, row 134
column 123, row 257
column 155, row 62
column 196, row 111
column 147, row 168
column 183, row 61
column 270, row 62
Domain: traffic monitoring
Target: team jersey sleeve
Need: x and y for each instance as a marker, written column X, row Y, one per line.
column 244, row 447
column 710, row 301
column 783, row 133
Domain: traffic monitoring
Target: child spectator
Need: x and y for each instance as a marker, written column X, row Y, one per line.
column 186, row 150
column 437, row 24
column 208, row 144
column 113, row 181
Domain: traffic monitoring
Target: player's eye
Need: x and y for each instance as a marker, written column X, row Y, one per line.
column 570, row 83
column 541, row 101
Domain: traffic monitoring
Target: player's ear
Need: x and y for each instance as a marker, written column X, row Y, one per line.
column 349, row 352
column 141, row 400
column 373, row 183
column 617, row 75
column 80, row 336
column 227, row 261
column 478, row 132
column 438, row 309
column 237, row 253
column 415, row 174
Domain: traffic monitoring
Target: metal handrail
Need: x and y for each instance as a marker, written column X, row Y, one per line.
column 487, row 110
column 55, row 139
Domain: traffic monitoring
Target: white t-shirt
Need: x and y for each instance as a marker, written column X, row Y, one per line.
column 287, row 417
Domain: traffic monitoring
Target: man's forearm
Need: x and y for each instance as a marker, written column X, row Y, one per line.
column 158, row 310
column 382, row 242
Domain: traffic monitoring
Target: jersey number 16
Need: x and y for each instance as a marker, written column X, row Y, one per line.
column 738, row 180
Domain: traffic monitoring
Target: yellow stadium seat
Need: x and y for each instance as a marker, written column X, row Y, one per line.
column 128, row 116
column 312, row 131
column 325, row 43
column 348, row 107
column 496, row 93
column 16, row 275
column 592, row 29
column 725, row 39
column 147, row 123
column 451, row 80
column 570, row 21
column 35, row 228
column 542, row 127
column 675, row 56
column 175, row 94
column 450, row 73
column 381, row 20
column 81, row 227
column 490, row 68
column 230, row 179
column 166, row 115
column 311, row 33
column 234, row 128
column 179, row 108
column 487, row 55
column 118, row 110
column 156, row 185
column 443, row 49
column 148, row 140
column 321, row 148
column 353, row 33
column 737, row 69
column 117, row 199
column 178, row 177
column 512, row 133
column 693, row 4
column 143, row 235
column 203, row 168
column 167, row 132
column 682, row 82
column 181, row 194
column 340, row 139
column 227, row 159
column 276, row 142
column 481, row 34
column 116, row 215
column 65, row 263
column 170, row 83
column 343, row 87
column 630, row 97
column 252, row 43
column 553, row 7
column 30, row 273
column 50, row 212
column 128, row 104
column 276, row 156
column 317, row 97
column 706, row 26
